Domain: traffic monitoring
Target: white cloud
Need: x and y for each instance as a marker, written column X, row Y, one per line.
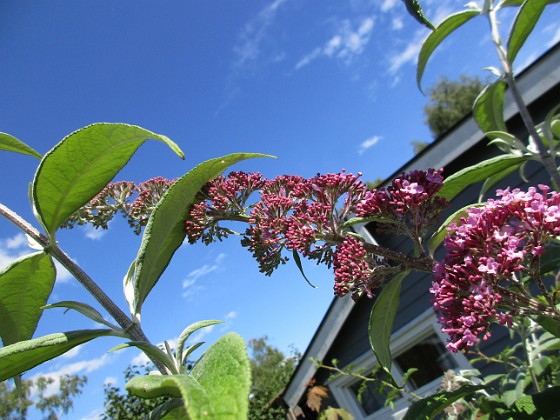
column 72, row 352
column 397, row 23
column 13, row 248
column 189, row 284
column 93, row 233
column 249, row 45
column 18, row 246
column 82, row 367
column 408, row 55
column 366, row 144
column 16, row 242
column 110, row 381
column 388, row 5
column 346, row 44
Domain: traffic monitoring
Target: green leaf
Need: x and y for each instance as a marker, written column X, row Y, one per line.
column 382, row 318
column 455, row 183
column 197, row 402
column 225, row 374
column 84, row 309
column 441, row 233
column 542, row 405
column 11, row 144
column 25, row 286
column 297, row 260
column 185, row 336
column 150, row 350
column 488, row 108
column 526, row 19
column 81, row 165
column 549, row 324
column 550, row 261
column 491, row 181
column 430, row 407
column 435, row 38
column 414, row 9
column 357, row 220
column 165, row 230
column 24, row 355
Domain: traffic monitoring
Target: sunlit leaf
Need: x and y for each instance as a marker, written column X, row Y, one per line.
column 25, row 286
column 488, row 109
column 415, row 10
column 455, row 183
column 187, row 333
column 549, row 324
column 382, row 318
column 11, row 144
column 441, row 233
column 150, row 350
column 84, row 309
column 430, row 407
column 225, row 374
column 81, row 165
column 165, row 230
column 494, row 179
column 24, row 355
column 526, row 19
column 196, row 402
column 436, row 37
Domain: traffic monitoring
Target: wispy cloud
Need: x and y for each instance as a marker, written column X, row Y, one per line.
column 190, row 286
column 346, row 44
column 93, row 233
column 17, row 246
column 368, row 143
column 82, row 367
column 110, row 381
column 70, row 354
column 249, row 43
column 388, row 5
column 407, row 55
column 12, row 248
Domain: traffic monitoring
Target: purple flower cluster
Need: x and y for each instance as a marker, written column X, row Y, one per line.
column 478, row 281
column 409, row 205
column 307, row 216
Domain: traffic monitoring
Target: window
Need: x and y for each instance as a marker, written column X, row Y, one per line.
column 418, row 344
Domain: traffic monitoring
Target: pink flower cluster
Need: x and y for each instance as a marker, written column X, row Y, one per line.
column 476, row 282
column 307, row 216
column 409, row 205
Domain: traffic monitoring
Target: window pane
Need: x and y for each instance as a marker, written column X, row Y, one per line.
column 430, row 357
column 371, row 399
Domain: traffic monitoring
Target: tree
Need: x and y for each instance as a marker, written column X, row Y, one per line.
column 450, row 101
column 271, row 370
column 16, row 402
column 120, row 405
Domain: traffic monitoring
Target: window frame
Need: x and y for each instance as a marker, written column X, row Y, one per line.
column 401, row 340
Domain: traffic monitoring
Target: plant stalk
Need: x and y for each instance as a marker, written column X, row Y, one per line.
column 133, row 329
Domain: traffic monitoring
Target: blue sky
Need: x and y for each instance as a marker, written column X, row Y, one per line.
column 321, row 85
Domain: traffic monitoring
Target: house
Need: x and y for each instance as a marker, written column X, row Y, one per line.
column 416, row 337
